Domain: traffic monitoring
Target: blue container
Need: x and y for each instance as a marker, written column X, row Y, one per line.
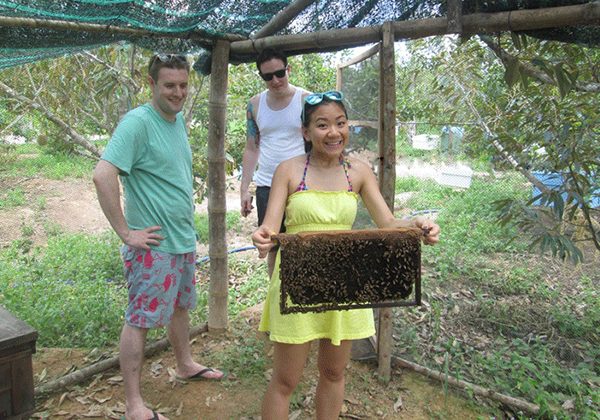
column 554, row 180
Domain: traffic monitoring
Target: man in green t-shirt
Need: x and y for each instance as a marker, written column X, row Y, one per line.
column 149, row 152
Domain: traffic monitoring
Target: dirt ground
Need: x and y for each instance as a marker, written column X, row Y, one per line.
column 72, row 207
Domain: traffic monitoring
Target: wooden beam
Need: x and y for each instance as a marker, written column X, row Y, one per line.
column 217, row 206
column 281, row 19
column 364, row 123
column 387, row 176
column 360, row 57
column 518, row 20
column 455, row 16
column 62, row 25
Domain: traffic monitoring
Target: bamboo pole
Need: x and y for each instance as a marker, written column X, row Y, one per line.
column 217, row 207
column 63, row 25
column 281, row 19
column 387, row 175
column 516, row 20
column 516, row 403
column 103, row 365
column 361, row 57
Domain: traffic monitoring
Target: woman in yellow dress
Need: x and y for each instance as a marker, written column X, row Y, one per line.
column 319, row 191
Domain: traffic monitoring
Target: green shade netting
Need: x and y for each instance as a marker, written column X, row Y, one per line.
column 189, row 26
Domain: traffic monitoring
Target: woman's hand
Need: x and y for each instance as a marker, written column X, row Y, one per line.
column 431, row 230
column 261, row 238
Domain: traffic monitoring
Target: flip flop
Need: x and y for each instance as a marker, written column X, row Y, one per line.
column 199, row 376
column 154, row 416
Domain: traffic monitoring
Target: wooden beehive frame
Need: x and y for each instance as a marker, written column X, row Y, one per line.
column 349, row 269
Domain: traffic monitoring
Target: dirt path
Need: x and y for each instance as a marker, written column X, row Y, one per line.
column 71, row 206
column 407, row 396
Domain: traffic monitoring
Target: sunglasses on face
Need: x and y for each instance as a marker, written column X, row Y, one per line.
column 267, row 77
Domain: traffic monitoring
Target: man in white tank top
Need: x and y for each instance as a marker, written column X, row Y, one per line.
column 273, row 132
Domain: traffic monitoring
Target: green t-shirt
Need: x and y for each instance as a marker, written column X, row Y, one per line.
column 155, row 163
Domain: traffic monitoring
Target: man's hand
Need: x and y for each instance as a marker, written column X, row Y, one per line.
column 142, row 239
column 262, row 240
column 246, row 203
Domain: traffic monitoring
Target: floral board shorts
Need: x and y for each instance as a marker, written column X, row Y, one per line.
column 157, row 282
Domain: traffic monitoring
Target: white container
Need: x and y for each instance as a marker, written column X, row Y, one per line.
column 425, row 141
column 457, row 176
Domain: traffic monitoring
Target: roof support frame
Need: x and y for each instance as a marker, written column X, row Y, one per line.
column 201, row 38
column 281, row 19
column 518, row 20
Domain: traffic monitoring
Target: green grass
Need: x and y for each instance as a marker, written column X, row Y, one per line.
column 14, row 197
column 70, row 291
column 232, row 219
column 545, row 335
column 52, row 166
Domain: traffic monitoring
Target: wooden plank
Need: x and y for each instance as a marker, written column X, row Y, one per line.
column 22, row 392
column 217, row 207
column 14, row 332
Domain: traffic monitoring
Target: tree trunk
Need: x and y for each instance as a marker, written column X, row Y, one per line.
column 387, row 175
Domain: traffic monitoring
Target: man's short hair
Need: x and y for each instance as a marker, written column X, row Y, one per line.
column 269, row 54
column 169, row 61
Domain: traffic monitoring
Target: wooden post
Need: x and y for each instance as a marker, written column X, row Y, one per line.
column 217, row 208
column 387, row 175
column 455, row 16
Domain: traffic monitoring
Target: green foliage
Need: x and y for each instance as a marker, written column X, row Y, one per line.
column 232, row 219
column 71, row 291
column 14, row 197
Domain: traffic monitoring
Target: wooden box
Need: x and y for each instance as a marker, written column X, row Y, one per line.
column 17, row 344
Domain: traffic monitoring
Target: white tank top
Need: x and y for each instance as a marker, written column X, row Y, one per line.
column 280, row 136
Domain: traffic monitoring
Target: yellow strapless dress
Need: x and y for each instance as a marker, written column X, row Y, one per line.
column 313, row 211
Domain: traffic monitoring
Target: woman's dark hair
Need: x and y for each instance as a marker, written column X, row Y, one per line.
column 309, row 109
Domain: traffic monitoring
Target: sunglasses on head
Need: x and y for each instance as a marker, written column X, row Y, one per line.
column 169, row 58
column 317, row 98
column 267, row 77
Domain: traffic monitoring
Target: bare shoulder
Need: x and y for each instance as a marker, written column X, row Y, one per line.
column 358, row 165
column 290, row 164
column 254, row 101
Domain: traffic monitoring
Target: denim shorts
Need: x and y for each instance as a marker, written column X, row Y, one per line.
column 157, row 282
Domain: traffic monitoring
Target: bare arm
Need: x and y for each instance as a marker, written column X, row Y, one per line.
column 249, row 160
column 380, row 212
column 109, row 195
column 275, row 209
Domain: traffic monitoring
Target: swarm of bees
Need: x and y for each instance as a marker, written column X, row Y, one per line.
column 348, row 269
